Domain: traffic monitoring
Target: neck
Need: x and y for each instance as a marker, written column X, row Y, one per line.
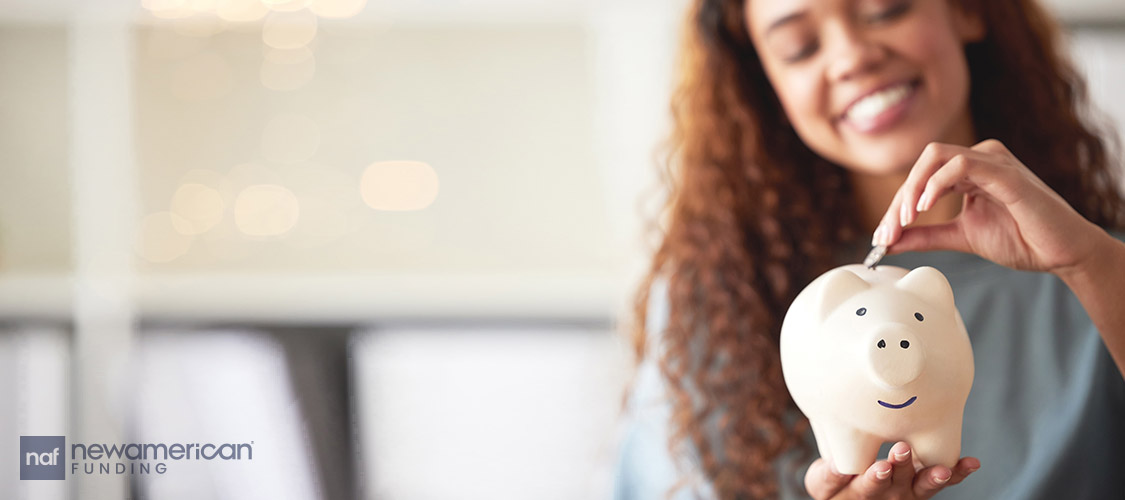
column 874, row 193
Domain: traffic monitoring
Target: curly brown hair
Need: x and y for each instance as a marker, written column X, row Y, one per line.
column 753, row 215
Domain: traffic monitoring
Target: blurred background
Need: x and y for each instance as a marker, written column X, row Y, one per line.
column 390, row 242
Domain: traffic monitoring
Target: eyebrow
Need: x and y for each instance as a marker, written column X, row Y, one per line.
column 786, row 19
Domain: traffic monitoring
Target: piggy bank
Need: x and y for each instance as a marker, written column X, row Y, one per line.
column 877, row 355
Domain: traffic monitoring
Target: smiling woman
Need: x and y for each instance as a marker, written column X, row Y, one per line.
column 818, row 56
column 803, row 126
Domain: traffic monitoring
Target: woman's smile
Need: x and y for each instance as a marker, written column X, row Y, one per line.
column 880, row 109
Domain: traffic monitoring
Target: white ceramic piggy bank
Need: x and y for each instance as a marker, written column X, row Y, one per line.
column 877, row 355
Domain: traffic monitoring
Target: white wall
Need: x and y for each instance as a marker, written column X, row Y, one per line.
column 488, row 412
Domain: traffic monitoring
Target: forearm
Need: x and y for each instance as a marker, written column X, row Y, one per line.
column 1099, row 285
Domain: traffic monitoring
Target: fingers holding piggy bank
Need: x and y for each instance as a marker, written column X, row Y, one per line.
column 877, row 355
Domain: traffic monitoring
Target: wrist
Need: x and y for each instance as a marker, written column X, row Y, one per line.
column 1107, row 253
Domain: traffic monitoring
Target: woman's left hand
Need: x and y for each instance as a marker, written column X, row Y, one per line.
column 1008, row 215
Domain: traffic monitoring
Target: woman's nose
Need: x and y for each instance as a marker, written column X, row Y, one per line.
column 851, row 52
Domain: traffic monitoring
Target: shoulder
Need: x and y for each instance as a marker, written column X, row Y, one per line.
column 646, row 467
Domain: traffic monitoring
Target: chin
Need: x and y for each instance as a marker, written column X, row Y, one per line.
column 885, row 157
column 874, row 163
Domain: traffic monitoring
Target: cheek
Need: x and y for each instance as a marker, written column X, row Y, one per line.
column 942, row 60
column 802, row 97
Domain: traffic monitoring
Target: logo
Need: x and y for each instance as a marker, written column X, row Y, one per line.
column 42, row 457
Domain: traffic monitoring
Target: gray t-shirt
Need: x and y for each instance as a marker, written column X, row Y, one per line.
column 1046, row 415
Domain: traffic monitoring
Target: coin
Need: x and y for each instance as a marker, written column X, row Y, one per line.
column 874, row 256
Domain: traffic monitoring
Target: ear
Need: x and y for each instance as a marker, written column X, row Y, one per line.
column 930, row 285
column 969, row 25
column 839, row 285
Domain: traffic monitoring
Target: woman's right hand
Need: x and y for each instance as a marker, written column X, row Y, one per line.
column 894, row 477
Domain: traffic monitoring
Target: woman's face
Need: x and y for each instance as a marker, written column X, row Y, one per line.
column 868, row 83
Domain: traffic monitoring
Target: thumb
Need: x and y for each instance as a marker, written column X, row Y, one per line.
column 947, row 236
column 822, row 480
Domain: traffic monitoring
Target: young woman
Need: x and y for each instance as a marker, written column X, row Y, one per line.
column 804, row 127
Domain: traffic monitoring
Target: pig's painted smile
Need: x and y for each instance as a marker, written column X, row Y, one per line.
column 898, row 407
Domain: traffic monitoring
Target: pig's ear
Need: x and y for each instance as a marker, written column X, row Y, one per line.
column 839, row 285
column 929, row 284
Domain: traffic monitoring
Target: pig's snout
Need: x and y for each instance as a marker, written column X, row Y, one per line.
column 895, row 356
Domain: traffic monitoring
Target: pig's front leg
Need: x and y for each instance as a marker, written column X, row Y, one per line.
column 821, row 436
column 853, row 451
column 939, row 446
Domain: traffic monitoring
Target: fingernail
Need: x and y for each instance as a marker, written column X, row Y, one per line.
column 880, row 237
column 901, row 457
column 941, row 480
column 883, row 474
column 902, row 215
column 973, row 469
column 922, row 201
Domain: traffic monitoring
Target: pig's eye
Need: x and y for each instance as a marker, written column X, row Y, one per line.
column 861, row 311
column 918, row 316
column 882, row 343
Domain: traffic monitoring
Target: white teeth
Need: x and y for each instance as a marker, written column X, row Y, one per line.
column 875, row 103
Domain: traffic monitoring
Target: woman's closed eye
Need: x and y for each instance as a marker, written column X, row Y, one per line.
column 886, row 14
column 803, row 51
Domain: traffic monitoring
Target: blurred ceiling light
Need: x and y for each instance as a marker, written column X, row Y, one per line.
column 198, row 208
column 266, row 210
column 287, row 69
column 202, row 6
column 290, row 138
column 202, row 77
column 285, row 5
column 399, row 185
column 158, row 241
column 240, row 11
column 337, row 9
column 289, row 30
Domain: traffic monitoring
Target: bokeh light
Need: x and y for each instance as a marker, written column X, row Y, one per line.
column 336, row 9
column 240, row 11
column 266, row 210
column 285, row 5
column 399, row 185
column 198, row 208
column 202, row 6
column 289, row 30
column 158, row 241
